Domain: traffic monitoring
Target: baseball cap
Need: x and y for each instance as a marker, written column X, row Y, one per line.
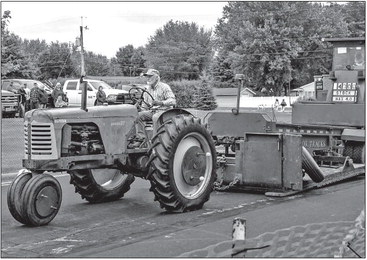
column 151, row 72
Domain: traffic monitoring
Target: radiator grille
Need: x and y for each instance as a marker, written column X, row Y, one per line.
column 39, row 142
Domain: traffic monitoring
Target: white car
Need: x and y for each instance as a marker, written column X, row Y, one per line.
column 73, row 91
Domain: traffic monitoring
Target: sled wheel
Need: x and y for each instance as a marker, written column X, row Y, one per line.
column 356, row 151
column 41, row 200
column 101, row 185
column 182, row 164
column 310, row 166
column 14, row 194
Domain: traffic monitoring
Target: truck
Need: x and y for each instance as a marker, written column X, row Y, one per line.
column 184, row 157
column 72, row 89
column 9, row 104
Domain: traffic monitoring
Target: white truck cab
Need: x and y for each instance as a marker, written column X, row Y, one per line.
column 73, row 91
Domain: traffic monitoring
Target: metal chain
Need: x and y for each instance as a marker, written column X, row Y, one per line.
column 353, row 235
column 218, row 186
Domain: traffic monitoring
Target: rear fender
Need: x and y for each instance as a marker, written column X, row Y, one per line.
column 161, row 117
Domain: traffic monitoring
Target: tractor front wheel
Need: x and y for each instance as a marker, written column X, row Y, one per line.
column 182, row 164
column 101, row 185
column 41, row 200
column 14, row 194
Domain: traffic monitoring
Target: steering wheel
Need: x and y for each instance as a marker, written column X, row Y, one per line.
column 140, row 99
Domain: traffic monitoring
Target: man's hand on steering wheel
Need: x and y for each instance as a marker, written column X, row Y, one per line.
column 157, row 103
column 140, row 100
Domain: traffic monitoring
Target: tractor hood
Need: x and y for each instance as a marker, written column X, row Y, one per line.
column 47, row 115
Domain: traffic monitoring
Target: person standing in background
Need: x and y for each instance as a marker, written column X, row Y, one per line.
column 101, row 97
column 43, row 97
column 34, row 97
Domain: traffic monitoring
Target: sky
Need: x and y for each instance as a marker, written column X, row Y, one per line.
column 111, row 25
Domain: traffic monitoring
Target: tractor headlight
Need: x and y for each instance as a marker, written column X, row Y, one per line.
column 112, row 98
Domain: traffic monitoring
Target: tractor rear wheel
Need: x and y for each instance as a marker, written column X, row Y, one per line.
column 14, row 194
column 356, row 151
column 310, row 166
column 182, row 164
column 41, row 200
column 101, row 185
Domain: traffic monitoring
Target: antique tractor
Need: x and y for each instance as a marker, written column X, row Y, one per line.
column 103, row 149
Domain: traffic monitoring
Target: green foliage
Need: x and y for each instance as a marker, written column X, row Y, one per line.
column 193, row 94
column 275, row 43
column 130, row 60
column 116, row 81
column 96, row 65
column 13, row 61
column 184, row 91
column 204, row 99
column 354, row 14
column 4, row 21
column 181, row 50
column 55, row 61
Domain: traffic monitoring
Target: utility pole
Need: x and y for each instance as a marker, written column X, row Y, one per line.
column 82, row 72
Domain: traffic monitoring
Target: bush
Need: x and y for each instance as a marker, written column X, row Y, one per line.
column 185, row 91
column 204, row 99
column 217, row 84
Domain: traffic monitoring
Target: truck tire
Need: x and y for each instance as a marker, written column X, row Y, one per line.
column 101, row 185
column 310, row 166
column 182, row 164
column 41, row 200
column 14, row 194
column 355, row 150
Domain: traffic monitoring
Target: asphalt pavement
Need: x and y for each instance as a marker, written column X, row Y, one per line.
column 333, row 204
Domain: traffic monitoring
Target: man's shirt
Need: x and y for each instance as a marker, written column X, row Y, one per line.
column 161, row 92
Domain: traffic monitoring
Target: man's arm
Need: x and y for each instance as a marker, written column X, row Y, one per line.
column 169, row 97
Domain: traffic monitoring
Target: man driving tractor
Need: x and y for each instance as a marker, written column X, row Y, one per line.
column 163, row 97
column 157, row 97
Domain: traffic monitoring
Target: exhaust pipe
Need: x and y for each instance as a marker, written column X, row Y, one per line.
column 83, row 84
column 241, row 78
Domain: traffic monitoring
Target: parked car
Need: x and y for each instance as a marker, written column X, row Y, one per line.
column 17, row 83
column 9, row 104
column 73, row 91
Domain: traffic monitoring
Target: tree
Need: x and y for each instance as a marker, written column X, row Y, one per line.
column 276, row 44
column 113, row 67
column 181, row 50
column 138, row 61
column 96, row 65
column 204, row 99
column 13, row 62
column 124, row 56
column 355, row 15
column 55, row 61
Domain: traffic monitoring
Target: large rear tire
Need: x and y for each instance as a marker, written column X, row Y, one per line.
column 14, row 194
column 310, row 166
column 182, row 164
column 41, row 200
column 101, row 185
